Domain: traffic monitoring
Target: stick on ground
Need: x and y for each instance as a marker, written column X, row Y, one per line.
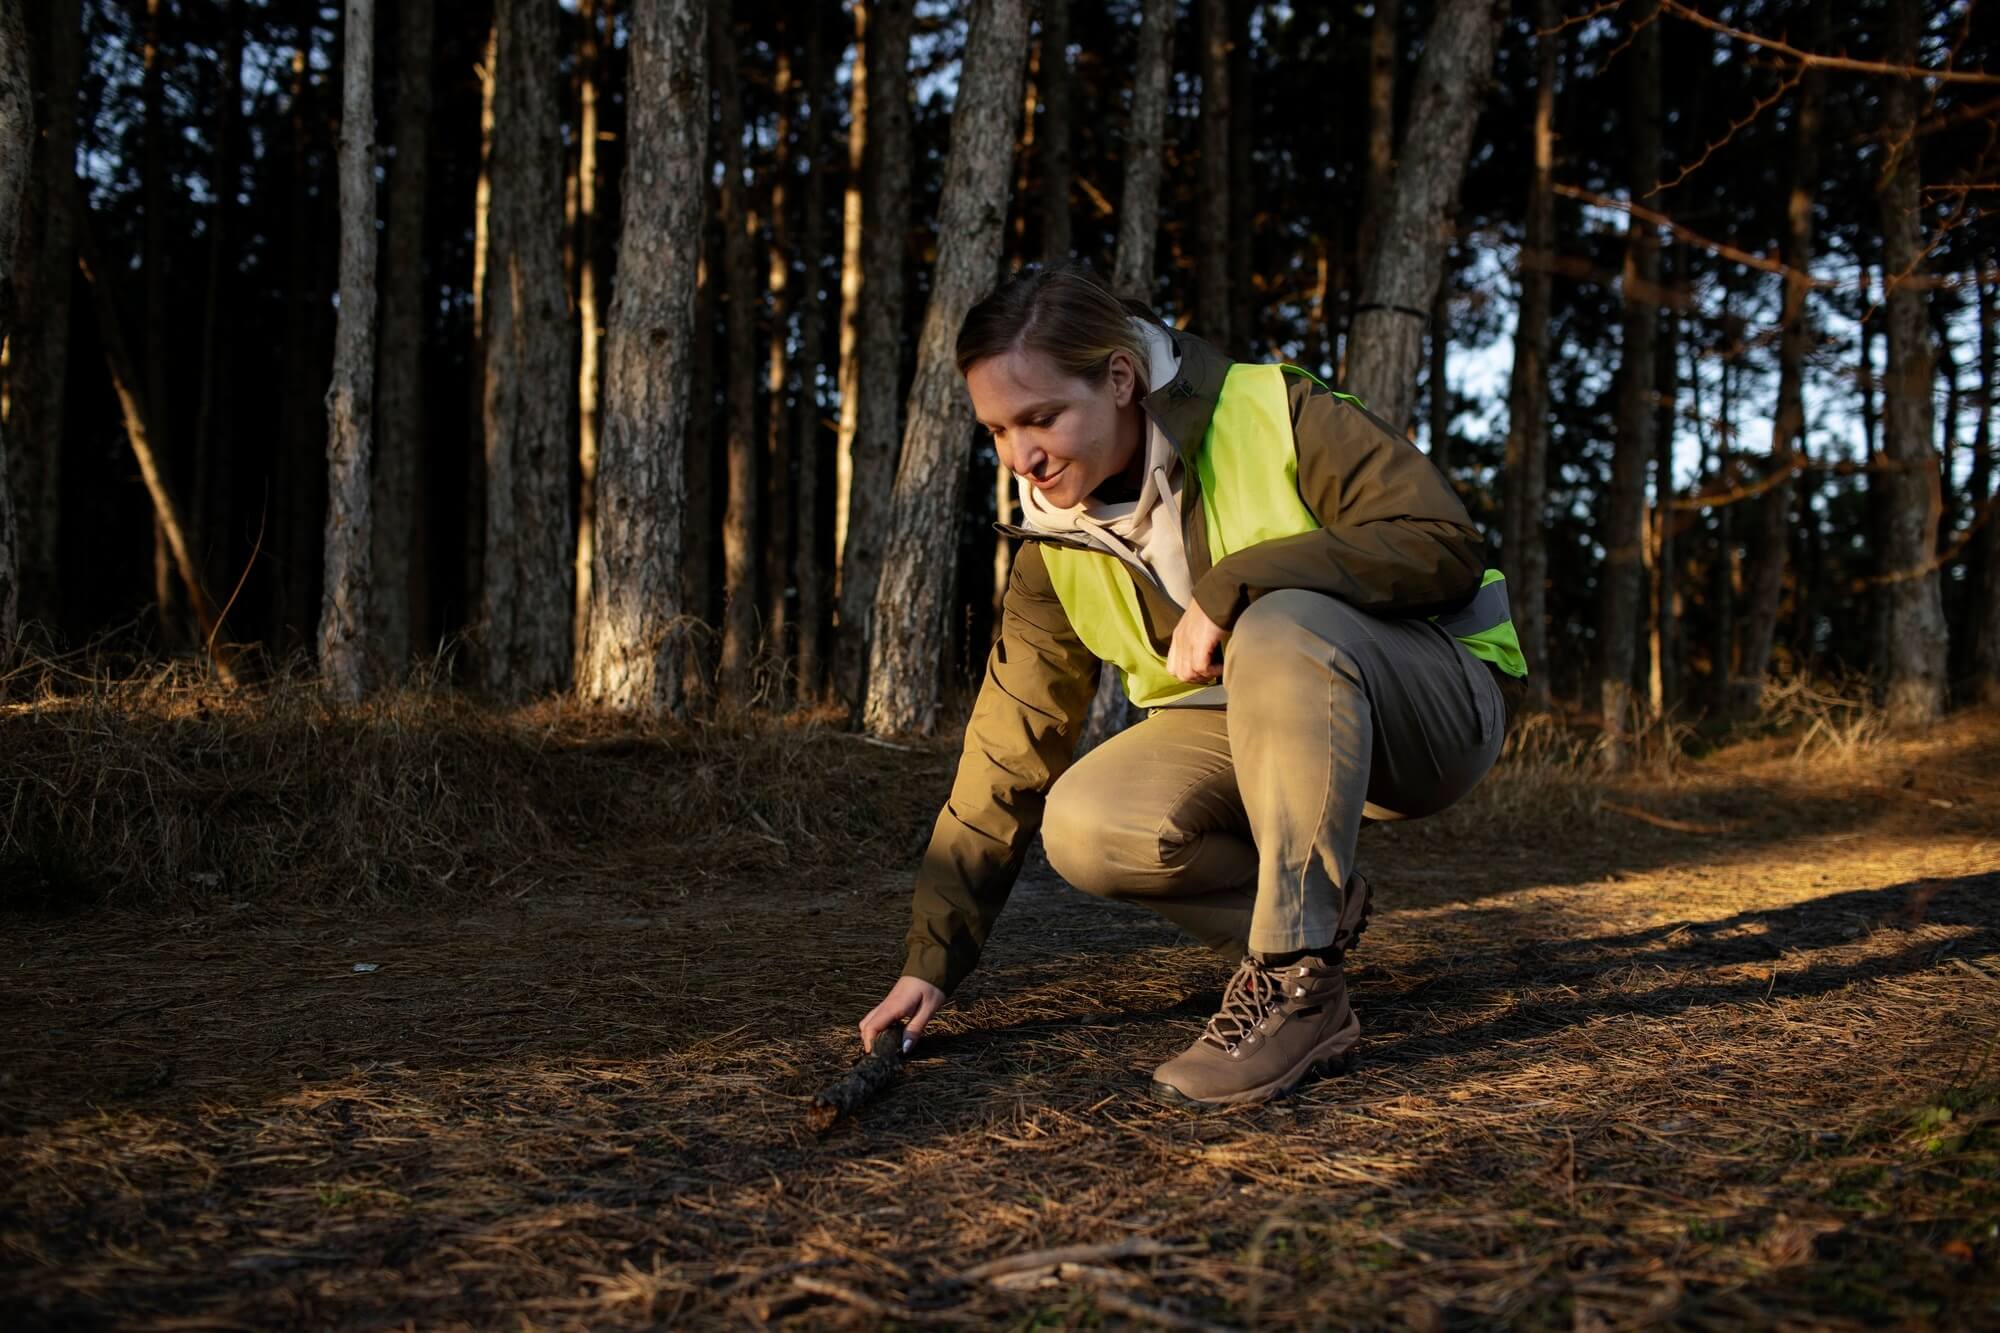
column 862, row 1084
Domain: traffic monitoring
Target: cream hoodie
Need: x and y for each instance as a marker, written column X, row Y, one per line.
column 1145, row 533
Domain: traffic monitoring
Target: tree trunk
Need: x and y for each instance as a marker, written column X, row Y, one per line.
column 475, row 454
column 590, row 70
column 1524, row 541
column 213, row 488
column 852, row 288
column 1440, row 385
column 1132, row 271
column 1381, row 169
column 1985, row 589
column 1663, row 660
column 885, row 230
column 698, row 574
column 1914, row 679
column 631, row 656
column 528, row 608
column 1245, row 314
column 1618, row 606
column 1139, row 204
column 350, row 400
column 739, row 520
column 39, row 345
column 920, row 565
column 1760, row 620
column 153, row 275
column 811, row 574
column 1058, row 127
column 17, row 148
column 1386, row 341
column 1211, row 294
column 294, row 584
column 401, row 430
column 777, row 545
column 1728, row 560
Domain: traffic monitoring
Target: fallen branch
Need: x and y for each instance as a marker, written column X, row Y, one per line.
column 1672, row 825
column 861, row 1084
column 1135, row 1247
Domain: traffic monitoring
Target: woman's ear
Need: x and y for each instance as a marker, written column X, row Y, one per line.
column 1124, row 377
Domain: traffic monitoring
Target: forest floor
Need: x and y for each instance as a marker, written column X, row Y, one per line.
column 1708, row 1048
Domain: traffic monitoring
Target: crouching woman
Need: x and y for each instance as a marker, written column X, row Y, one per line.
column 1297, row 599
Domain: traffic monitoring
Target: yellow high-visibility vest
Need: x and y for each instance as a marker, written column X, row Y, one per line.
column 1249, row 481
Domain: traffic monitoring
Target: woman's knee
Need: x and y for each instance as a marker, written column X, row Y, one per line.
column 1075, row 825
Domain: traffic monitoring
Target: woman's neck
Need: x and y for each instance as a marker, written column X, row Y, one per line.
column 1126, row 483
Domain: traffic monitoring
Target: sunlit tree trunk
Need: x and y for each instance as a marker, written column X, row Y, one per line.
column 1139, row 202
column 1524, row 542
column 475, row 454
column 885, row 230
column 1632, row 452
column 39, row 345
column 853, row 200
column 1385, row 344
column 17, row 147
column 350, row 401
column 744, row 440
column 1914, row 672
column 633, row 643
column 527, row 608
column 920, row 566
column 400, row 428
column 1211, row 291
column 811, row 572
column 1381, row 167
column 589, row 73
column 1760, row 618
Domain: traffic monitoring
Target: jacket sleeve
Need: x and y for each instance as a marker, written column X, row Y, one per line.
column 1025, row 725
column 1393, row 537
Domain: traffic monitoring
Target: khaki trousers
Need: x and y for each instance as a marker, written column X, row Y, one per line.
column 1239, row 823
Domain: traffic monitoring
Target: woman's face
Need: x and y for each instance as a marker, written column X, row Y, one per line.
column 1065, row 435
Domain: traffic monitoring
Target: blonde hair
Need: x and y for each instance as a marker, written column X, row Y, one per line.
column 1063, row 312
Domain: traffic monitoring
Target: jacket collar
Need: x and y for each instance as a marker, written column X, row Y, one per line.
column 1184, row 405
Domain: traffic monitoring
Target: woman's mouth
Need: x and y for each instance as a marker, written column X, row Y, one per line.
column 1043, row 483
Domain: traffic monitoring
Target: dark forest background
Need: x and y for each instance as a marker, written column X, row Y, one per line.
column 1776, row 484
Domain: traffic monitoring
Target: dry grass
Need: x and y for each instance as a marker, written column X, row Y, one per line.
column 1617, row 1073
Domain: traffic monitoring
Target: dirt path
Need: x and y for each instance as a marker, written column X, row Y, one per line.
column 1616, row 1072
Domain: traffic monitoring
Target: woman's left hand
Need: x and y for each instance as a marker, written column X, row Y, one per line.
column 1196, row 641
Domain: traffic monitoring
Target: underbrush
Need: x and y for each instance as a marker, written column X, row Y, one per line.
column 161, row 785
column 167, row 787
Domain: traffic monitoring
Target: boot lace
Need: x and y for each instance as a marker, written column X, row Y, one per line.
column 1252, row 993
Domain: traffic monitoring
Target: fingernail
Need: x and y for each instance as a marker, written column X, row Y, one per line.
column 908, row 1042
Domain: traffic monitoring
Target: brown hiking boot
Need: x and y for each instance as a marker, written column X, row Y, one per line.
column 1275, row 1025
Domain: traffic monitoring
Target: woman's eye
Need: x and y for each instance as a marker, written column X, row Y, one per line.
column 1045, row 422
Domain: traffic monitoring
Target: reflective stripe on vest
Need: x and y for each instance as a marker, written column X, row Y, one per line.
column 1248, row 472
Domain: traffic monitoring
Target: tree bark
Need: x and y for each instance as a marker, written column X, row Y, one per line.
column 739, row 521
column 1985, row 590
column 401, row 428
column 213, row 489
column 1663, row 639
column 1760, row 620
column 811, row 573
column 920, row 566
column 633, row 645
column 1524, row 542
column 527, row 607
column 295, row 584
column 482, row 226
column 39, row 344
column 1211, row 298
column 350, row 400
column 1058, row 128
column 885, row 229
column 778, row 464
column 1381, row 168
column 1914, row 675
column 590, row 71
column 1618, row 605
column 1385, row 343
column 852, row 288
column 1139, row 203
column 17, row 147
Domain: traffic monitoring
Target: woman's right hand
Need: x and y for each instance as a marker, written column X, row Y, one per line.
column 911, row 1002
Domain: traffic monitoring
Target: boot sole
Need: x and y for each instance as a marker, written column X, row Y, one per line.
column 1325, row 1062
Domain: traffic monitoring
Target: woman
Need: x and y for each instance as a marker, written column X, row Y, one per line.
column 1279, row 578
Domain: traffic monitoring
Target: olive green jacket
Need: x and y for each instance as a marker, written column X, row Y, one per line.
column 1394, row 540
